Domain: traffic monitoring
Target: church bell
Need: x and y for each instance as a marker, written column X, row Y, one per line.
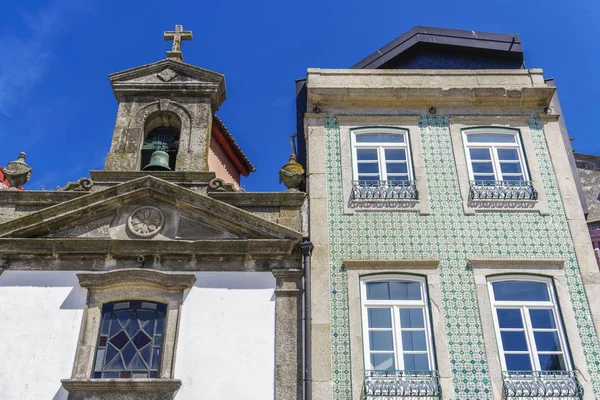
column 159, row 161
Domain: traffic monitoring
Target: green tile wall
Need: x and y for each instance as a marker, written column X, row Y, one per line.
column 452, row 236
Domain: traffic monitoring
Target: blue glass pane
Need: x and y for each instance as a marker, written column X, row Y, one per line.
column 383, row 362
column 512, row 177
column 115, row 327
column 137, row 363
column 128, row 352
column 105, row 324
column 484, row 178
column 514, row 341
column 517, row 362
column 119, row 340
column 146, row 352
column 378, row 291
column 398, row 178
column 117, row 364
column 411, row 318
column 510, row 168
column 508, row 154
column 490, row 138
column 369, row 178
column 482, row 167
column 480, row 154
column 366, row 154
column 395, row 155
column 509, row 318
column 414, row 341
column 405, row 290
column 396, row 168
column 520, row 291
column 379, row 138
column 547, row 341
column 542, row 319
column 111, row 352
column 380, row 318
column 132, row 326
column 368, row 168
column 140, row 340
column 155, row 357
column 552, row 362
column 416, row 362
column 381, row 340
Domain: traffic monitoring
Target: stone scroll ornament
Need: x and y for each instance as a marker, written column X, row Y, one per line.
column 146, row 221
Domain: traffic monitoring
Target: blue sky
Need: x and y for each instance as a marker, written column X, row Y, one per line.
column 56, row 103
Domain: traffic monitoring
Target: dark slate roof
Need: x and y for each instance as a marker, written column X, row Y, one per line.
column 436, row 48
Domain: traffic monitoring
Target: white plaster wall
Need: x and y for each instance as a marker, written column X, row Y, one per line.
column 226, row 347
column 40, row 319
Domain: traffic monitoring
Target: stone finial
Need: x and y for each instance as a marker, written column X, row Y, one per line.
column 17, row 172
column 292, row 174
column 177, row 36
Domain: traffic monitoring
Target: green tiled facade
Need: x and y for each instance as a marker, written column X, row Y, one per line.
column 453, row 237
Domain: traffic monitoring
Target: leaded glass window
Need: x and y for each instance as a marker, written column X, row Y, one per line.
column 130, row 340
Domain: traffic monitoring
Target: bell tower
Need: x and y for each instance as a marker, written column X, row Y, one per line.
column 165, row 115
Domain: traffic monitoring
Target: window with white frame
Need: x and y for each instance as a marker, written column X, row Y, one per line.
column 528, row 324
column 396, row 324
column 494, row 154
column 381, row 154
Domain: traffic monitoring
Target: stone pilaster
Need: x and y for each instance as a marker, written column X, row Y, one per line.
column 288, row 334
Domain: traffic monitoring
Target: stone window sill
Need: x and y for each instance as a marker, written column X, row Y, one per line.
column 121, row 385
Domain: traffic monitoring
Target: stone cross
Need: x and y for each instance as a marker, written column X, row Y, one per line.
column 177, row 36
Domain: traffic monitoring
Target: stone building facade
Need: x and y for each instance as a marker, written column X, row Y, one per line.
column 155, row 278
column 588, row 167
column 428, row 246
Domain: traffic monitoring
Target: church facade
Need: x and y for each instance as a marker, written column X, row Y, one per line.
column 155, row 278
column 451, row 255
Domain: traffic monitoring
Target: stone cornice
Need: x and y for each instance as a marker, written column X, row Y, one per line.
column 121, row 385
column 37, row 197
column 266, row 199
column 406, row 88
column 173, row 249
column 177, row 177
column 169, row 280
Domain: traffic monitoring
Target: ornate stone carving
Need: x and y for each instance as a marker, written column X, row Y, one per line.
column 166, row 75
column 146, row 221
column 82, row 185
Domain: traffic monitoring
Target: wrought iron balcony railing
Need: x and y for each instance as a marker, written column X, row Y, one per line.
column 402, row 383
column 384, row 190
column 503, row 190
column 554, row 384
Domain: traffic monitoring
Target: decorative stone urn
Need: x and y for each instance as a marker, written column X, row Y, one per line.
column 292, row 174
column 17, row 172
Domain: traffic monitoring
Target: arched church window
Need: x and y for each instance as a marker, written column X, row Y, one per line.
column 159, row 151
column 130, row 340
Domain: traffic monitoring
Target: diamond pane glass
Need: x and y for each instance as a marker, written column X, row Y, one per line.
column 127, row 352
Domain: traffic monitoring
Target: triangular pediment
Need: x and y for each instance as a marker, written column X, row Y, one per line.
column 146, row 208
column 166, row 77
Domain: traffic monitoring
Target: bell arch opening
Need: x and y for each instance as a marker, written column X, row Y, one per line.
column 161, row 142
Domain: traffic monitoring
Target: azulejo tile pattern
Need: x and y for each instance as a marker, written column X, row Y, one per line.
column 453, row 237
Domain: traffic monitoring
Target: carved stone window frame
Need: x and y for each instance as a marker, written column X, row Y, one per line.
column 460, row 124
column 411, row 127
column 127, row 285
column 428, row 269
column 484, row 269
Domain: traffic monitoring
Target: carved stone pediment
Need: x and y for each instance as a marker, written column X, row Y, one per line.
column 146, row 209
column 165, row 77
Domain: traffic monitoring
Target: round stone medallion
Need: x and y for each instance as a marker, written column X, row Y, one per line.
column 146, row 221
